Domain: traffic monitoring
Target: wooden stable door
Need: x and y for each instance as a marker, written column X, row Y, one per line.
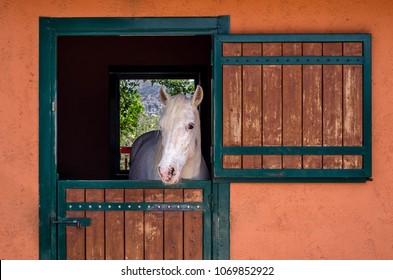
column 134, row 223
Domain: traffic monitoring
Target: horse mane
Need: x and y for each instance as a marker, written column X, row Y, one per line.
column 172, row 107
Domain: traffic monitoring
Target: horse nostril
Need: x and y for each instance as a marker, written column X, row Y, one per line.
column 172, row 171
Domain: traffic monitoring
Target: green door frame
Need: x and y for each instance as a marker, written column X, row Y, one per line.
column 49, row 30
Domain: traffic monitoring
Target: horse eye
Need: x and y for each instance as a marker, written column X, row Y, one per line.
column 190, row 126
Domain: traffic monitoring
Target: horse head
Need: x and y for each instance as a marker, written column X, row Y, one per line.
column 180, row 137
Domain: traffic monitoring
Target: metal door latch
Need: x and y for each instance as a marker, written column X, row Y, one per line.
column 79, row 222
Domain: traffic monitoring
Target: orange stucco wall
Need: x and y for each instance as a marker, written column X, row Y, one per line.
column 268, row 221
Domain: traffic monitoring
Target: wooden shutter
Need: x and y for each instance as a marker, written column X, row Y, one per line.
column 292, row 107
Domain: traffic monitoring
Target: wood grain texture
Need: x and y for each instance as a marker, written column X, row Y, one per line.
column 114, row 227
column 193, row 227
column 134, row 227
column 353, row 106
column 173, row 225
column 292, row 105
column 232, row 105
column 95, row 233
column 272, row 105
column 75, row 237
column 312, row 105
column 332, row 105
column 252, row 105
column 154, row 227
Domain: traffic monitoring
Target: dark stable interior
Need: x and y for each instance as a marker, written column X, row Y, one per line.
column 84, row 92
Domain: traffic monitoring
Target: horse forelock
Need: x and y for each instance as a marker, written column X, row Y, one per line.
column 174, row 107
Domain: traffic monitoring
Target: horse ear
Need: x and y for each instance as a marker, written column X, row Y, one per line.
column 163, row 95
column 198, row 96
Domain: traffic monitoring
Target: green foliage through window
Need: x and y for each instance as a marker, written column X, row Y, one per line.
column 174, row 87
column 131, row 108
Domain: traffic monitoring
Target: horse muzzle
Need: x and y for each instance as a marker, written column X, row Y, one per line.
column 168, row 175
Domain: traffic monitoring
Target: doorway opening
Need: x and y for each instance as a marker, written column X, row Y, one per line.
column 92, row 71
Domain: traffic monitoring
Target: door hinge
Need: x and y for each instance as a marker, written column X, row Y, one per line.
column 78, row 222
column 53, row 106
column 211, row 202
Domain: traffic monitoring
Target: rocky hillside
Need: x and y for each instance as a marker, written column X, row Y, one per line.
column 150, row 97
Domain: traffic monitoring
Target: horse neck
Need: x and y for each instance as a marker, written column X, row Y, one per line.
column 158, row 151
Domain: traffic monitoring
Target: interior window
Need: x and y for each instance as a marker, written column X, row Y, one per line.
column 140, row 109
column 135, row 108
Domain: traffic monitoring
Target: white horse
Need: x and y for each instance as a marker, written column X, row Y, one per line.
column 174, row 152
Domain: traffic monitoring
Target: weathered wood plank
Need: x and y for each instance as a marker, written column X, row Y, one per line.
column 252, row 105
column 75, row 237
column 173, row 225
column 154, row 223
column 312, row 105
column 95, row 233
column 134, row 227
column 332, row 105
column 272, row 105
column 352, row 105
column 232, row 105
column 193, row 227
column 292, row 105
column 114, row 227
